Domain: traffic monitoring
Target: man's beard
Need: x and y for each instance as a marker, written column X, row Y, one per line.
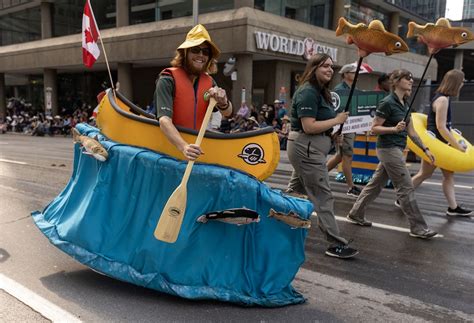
column 193, row 70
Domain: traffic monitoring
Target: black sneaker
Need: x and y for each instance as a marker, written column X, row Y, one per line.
column 424, row 234
column 354, row 191
column 362, row 222
column 292, row 192
column 458, row 211
column 397, row 204
column 341, row 251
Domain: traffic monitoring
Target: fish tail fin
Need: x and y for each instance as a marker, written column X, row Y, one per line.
column 412, row 30
column 341, row 26
column 271, row 213
column 75, row 135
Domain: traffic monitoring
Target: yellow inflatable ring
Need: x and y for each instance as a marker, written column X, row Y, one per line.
column 446, row 157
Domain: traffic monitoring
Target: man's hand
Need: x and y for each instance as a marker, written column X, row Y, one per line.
column 192, row 152
column 219, row 95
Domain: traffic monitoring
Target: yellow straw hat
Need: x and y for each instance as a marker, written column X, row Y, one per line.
column 196, row 37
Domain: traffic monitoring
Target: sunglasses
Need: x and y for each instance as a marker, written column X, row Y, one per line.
column 406, row 77
column 206, row 51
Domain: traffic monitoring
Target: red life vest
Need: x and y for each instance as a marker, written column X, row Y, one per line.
column 188, row 108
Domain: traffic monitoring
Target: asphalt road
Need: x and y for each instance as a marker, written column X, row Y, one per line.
column 394, row 278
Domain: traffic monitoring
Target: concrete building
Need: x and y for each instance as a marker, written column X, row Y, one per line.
column 40, row 40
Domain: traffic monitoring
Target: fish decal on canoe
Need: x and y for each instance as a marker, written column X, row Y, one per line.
column 292, row 219
column 440, row 35
column 371, row 39
column 238, row 216
column 90, row 145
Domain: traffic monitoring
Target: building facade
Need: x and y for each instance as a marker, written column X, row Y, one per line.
column 468, row 9
column 40, row 52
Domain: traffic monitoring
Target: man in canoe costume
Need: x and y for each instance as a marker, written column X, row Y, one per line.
column 179, row 94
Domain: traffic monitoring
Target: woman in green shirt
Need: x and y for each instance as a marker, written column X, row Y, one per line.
column 309, row 142
column 392, row 134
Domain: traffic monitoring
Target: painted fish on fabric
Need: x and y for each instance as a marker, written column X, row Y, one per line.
column 371, row 39
column 238, row 216
column 440, row 35
column 292, row 219
column 91, row 146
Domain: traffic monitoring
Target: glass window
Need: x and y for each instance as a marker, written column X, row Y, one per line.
column 314, row 12
column 19, row 27
column 427, row 9
column 360, row 13
column 9, row 3
column 67, row 15
column 142, row 11
column 206, row 6
column 413, row 44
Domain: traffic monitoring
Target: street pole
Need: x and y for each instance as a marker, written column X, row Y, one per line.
column 195, row 11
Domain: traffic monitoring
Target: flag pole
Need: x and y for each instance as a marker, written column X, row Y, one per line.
column 105, row 53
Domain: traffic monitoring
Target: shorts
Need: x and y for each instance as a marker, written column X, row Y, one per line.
column 347, row 146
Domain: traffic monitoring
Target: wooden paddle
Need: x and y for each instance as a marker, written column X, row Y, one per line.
column 171, row 217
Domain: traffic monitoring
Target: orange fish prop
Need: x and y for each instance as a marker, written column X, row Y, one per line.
column 440, row 35
column 371, row 39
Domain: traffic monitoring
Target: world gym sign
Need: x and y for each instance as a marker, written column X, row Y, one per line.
column 281, row 44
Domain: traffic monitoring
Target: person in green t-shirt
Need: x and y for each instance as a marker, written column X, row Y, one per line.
column 345, row 150
column 312, row 118
column 392, row 133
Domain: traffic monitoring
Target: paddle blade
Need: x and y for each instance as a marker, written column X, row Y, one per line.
column 171, row 217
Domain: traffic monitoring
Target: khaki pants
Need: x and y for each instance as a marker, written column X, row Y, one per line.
column 307, row 154
column 392, row 165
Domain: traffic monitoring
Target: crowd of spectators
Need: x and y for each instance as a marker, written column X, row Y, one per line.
column 249, row 118
column 22, row 117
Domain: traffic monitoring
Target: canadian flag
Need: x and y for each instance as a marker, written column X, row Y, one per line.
column 95, row 112
column 90, row 34
column 364, row 68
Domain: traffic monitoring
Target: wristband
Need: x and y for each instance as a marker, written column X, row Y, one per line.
column 225, row 106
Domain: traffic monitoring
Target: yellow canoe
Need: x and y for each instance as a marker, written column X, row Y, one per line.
column 256, row 153
column 446, row 157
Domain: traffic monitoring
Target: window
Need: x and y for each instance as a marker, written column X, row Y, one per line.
column 20, row 27
column 67, row 15
column 314, row 12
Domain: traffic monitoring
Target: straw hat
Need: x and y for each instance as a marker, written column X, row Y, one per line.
column 253, row 120
column 348, row 68
column 196, row 37
column 285, row 117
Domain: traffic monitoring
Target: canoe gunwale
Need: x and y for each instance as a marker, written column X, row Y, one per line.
column 145, row 117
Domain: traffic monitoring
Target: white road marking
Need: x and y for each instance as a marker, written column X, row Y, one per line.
column 455, row 185
column 380, row 225
column 385, row 226
column 36, row 302
column 12, row 161
column 334, row 174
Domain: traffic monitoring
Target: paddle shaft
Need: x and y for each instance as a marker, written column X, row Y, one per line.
column 417, row 88
column 171, row 218
column 202, row 131
column 351, row 93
